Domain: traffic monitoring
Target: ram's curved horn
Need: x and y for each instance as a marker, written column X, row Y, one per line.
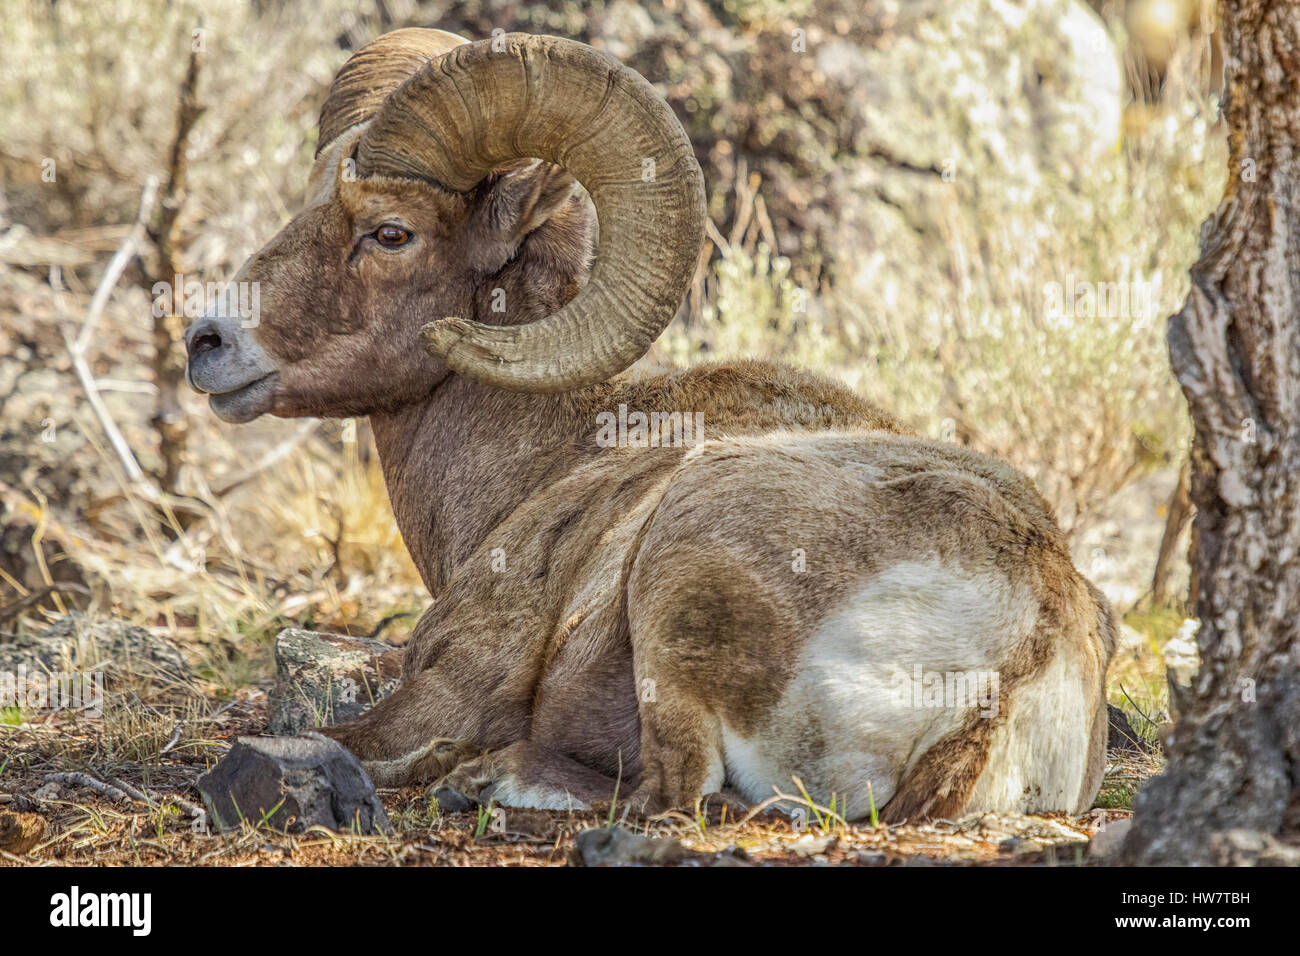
column 486, row 103
column 374, row 71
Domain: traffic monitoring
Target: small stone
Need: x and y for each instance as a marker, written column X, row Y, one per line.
column 293, row 783
column 1107, row 841
column 811, row 846
column 1120, row 733
column 49, row 791
column 870, row 858
column 325, row 679
column 19, row 832
column 618, row 847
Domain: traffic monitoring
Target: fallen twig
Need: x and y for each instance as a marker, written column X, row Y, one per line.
column 77, row 779
column 379, row 628
column 77, row 348
column 1140, row 711
column 132, row 792
column 175, row 737
column 194, row 810
column 81, row 368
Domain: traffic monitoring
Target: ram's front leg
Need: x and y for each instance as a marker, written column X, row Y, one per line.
column 526, row 774
column 470, row 676
column 435, row 759
column 398, row 740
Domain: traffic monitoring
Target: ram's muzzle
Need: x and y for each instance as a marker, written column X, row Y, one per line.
column 226, row 361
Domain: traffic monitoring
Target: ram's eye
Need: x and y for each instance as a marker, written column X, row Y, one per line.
column 392, row 236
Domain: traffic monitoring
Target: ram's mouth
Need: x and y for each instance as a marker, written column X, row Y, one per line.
column 245, row 403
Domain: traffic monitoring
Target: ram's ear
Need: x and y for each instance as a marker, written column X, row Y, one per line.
column 510, row 204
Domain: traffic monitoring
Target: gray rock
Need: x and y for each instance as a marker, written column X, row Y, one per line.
column 325, row 679
column 1108, row 841
column 618, row 847
column 292, row 783
column 78, row 643
column 1120, row 733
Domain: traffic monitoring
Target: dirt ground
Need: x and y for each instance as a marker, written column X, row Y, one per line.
column 70, row 824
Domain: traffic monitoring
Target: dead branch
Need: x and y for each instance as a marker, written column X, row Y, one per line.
column 81, row 368
column 169, row 419
column 175, row 737
column 132, row 792
column 196, row 812
column 1176, row 520
column 77, row 348
column 383, row 624
column 129, row 248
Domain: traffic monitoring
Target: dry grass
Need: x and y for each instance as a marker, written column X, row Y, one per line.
column 85, row 828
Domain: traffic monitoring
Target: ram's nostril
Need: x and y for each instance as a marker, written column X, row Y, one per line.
column 204, row 342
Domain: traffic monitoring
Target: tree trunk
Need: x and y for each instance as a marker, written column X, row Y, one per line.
column 1231, row 791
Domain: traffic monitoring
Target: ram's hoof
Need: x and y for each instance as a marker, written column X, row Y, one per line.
column 451, row 801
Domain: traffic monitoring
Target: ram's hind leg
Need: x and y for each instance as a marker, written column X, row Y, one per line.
column 941, row 783
column 681, row 753
column 711, row 644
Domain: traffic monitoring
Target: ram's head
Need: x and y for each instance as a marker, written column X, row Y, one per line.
column 442, row 234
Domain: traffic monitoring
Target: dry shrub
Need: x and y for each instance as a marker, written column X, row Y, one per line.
column 1077, row 394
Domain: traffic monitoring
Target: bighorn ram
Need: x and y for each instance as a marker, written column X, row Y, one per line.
column 809, row 590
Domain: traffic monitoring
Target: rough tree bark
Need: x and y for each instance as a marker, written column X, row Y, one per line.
column 1231, row 791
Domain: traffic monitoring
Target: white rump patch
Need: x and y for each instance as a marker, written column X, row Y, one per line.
column 1039, row 756
column 844, row 721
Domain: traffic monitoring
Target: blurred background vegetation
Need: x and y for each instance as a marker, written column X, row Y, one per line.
column 900, row 193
